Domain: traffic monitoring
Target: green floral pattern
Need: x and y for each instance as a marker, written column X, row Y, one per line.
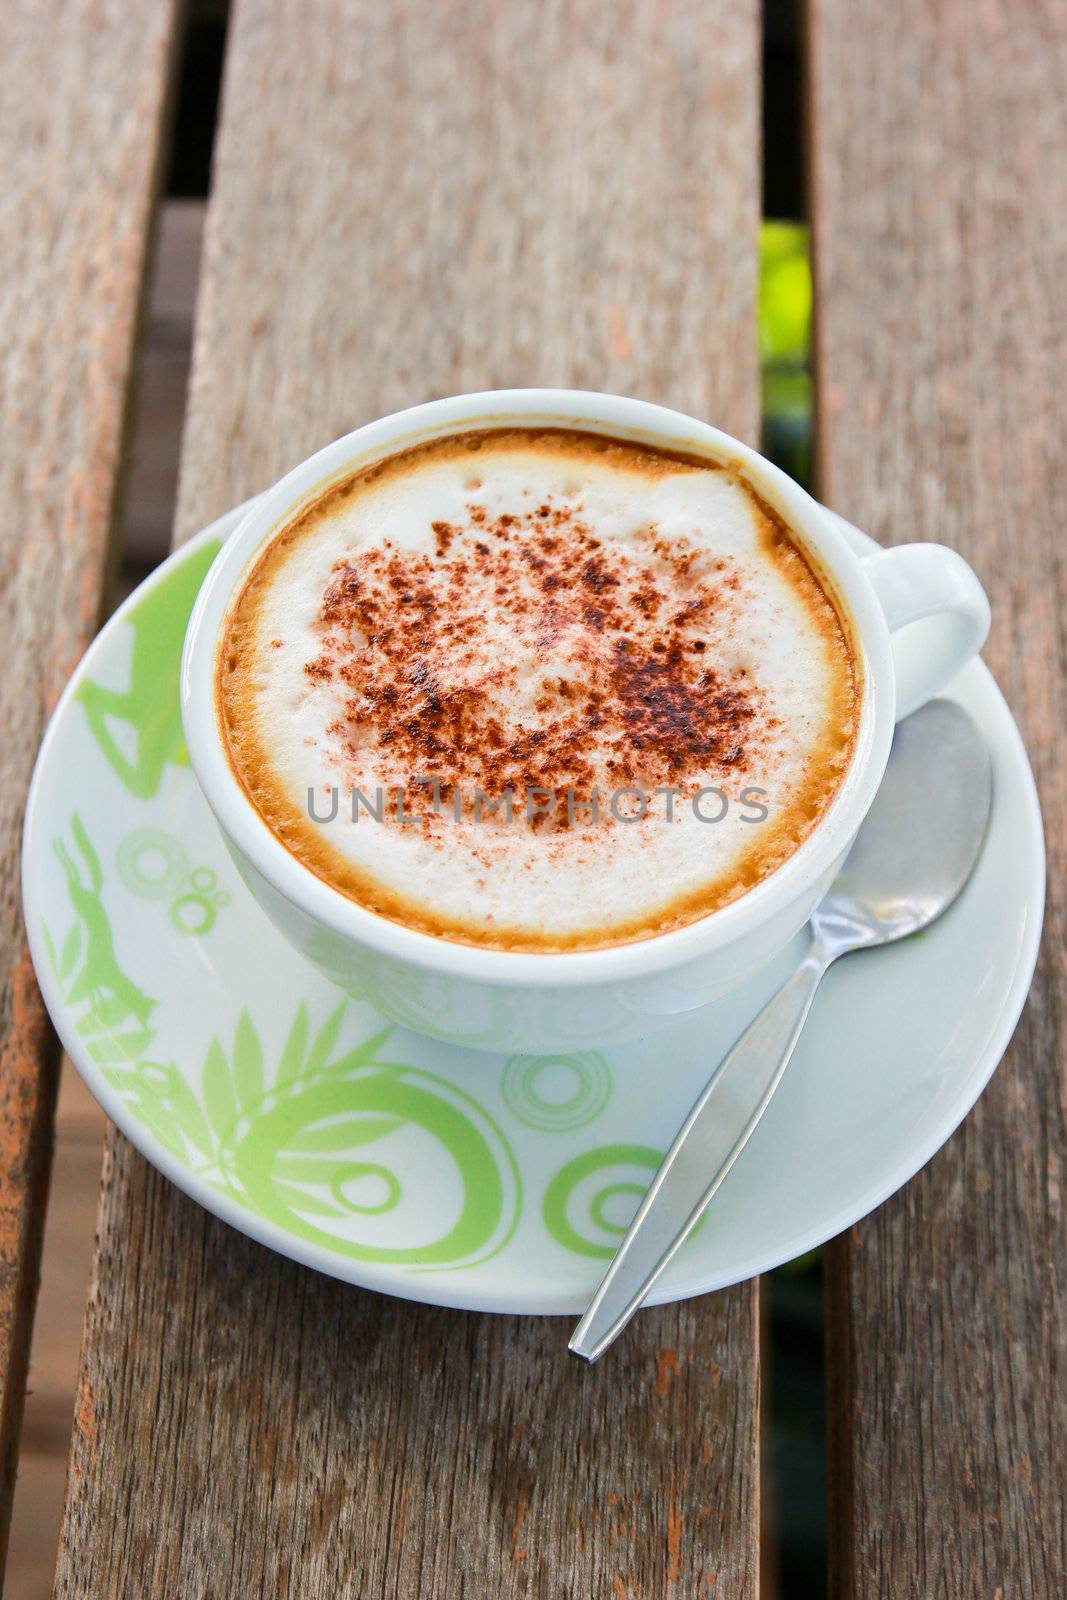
column 291, row 1145
column 147, row 712
column 323, row 1136
column 115, row 1013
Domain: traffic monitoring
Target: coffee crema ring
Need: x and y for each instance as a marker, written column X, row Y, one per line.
column 544, row 611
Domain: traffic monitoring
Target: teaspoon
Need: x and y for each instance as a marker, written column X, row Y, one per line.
column 911, row 858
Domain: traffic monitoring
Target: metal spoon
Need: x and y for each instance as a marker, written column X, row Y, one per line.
column 915, row 851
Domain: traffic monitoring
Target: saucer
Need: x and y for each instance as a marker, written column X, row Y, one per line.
column 306, row 1120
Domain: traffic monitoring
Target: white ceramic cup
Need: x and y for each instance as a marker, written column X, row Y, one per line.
column 918, row 613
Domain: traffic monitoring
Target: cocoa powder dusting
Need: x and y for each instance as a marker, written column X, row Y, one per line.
column 524, row 651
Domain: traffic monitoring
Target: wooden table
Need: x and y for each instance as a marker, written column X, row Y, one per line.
column 416, row 197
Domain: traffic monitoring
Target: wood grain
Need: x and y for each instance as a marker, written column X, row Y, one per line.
column 82, row 91
column 44, row 1441
column 940, row 210
column 419, row 199
column 415, row 198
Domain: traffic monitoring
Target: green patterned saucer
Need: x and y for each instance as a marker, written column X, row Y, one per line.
column 305, row 1120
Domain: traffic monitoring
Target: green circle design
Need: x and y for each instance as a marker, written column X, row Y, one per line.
column 599, row 1203
column 592, row 1089
column 555, row 1208
column 346, row 1171
column 130, row 861
column 193, row 914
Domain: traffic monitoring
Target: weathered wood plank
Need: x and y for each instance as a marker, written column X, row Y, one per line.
column 940, row 210
column 414, row 198
column 82, row 89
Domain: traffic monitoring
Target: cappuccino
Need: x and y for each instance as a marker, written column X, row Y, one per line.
column 538, row 689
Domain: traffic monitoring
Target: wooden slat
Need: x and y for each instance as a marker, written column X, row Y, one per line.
column 414, row 198
column 940, row 209
column 82, row 89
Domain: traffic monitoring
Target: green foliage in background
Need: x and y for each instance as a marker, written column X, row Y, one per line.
column 784, row 294
column 785, row 345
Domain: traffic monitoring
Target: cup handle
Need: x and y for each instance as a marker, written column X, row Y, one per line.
column 937, row 612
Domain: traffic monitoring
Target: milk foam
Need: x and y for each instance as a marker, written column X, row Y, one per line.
column 334, row 696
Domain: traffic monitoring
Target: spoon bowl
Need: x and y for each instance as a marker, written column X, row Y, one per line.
column 921, row 837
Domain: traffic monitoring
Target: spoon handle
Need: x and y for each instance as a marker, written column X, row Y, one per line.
column 710, row 1141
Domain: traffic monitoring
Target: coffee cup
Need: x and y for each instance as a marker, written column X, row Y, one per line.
column 916, row 614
